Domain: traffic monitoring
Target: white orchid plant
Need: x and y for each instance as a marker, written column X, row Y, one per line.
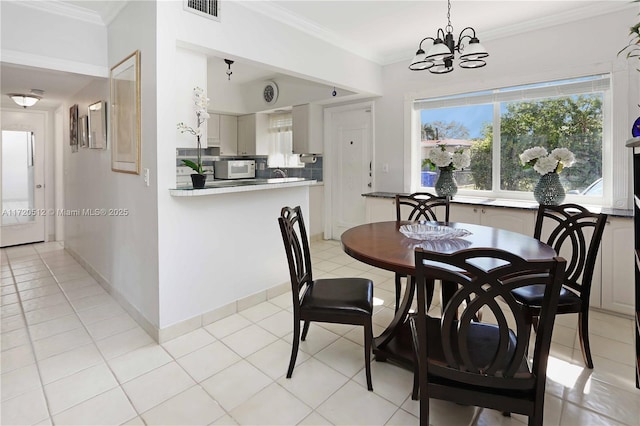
column 447, row 160
column 201, row 103
column 544, row 162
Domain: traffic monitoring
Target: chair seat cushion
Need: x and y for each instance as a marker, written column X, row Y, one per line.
column 347, row 296
column 482, row 340
column 532, row 295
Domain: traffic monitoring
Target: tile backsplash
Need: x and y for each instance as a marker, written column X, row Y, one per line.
column 309, row 171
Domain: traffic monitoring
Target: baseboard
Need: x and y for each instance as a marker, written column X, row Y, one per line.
column 178, row 329
column 143, row 322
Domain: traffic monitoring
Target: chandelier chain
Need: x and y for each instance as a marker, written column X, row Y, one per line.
column 449, row 27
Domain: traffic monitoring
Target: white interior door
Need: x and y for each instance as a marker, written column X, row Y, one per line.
column 23, row 213
column 351, row 139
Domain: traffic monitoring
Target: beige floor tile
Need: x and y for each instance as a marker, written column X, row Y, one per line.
column 15, row 338
column 139, row 361
column 354, row 405
column 575, row 415
column 15, row 358
column 92, row 302
column 109, row 408
column 14, row 322
column 19, row 381
column 390, row 381
column 279, row 324
column 11, row 310
column 26, row 409
column 273, row 405
column 43, row 302
column 39, row 292
column 228, row 325
column 90, row 290
column 313, row 382
column 111, row 326
column 120, row 344
column 273, row 360
column 62, row 342
column 38, row 283
column 55, row 326
column 249, row 340
column 344, row 356
column 260, row 311
column 318, row 338
column 69, row 362
column 48, row 314
column 225, row 420
column 157, row 386
column 199, row 363
column 606, row 399
column 79, row 387
column 236, row 384
column 188, row 343
column 191, row 407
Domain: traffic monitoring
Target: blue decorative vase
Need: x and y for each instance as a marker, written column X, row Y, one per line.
column 635, row 130
column 446, row 185
column 549, row 190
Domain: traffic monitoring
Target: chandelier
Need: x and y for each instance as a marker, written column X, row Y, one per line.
column 27, row 100
column 439, row 58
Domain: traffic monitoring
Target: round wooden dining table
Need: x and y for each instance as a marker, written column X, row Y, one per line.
column 381, row 244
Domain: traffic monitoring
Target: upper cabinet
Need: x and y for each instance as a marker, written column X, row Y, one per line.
column 307, row 129
column 222, row 132
column 252, row 134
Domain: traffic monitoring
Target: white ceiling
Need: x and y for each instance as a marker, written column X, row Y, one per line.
column 384, row 31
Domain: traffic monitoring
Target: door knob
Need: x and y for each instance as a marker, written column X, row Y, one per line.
column 38, row 186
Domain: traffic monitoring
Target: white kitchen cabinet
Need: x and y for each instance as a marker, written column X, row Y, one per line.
column 379, row 209
column 213, row 130
column 252, row 134
column 222, row 132
column 307, row 129
column 618, row 266
column 516, row 220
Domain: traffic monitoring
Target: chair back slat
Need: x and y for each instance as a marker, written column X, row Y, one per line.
column 296, row 245
column 422, row 206
column 485, row 279
column 575, row 234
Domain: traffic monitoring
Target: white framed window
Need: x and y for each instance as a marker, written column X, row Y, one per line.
column 496, row 126
column 281, row 142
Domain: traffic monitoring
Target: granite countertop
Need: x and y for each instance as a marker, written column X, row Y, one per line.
column 506, row 203
column 240, row 185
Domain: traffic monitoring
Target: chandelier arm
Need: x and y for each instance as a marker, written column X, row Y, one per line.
column 426, row 38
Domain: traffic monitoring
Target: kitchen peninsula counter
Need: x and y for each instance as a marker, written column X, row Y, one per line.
column 242, row 185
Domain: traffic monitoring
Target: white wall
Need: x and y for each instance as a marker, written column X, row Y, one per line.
column 574, row 49
column 124, row 249
column 202, row 264
column 51, row 41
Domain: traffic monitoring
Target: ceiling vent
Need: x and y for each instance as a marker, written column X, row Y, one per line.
column 207, row 8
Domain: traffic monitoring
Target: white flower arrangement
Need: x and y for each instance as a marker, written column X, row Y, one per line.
column 201, row 103
column 440, row 157
column 542, row 162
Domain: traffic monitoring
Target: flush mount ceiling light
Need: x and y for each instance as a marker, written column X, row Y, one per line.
column 27, row 100
column 229, row 72
column 439, row 58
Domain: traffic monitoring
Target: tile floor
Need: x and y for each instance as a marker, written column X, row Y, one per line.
column 72, row 355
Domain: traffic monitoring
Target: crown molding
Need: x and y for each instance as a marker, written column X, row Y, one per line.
column 47, row 62
column 281, row 14
column 72, row 11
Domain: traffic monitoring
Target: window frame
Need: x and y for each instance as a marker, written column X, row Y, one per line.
column 544, row 91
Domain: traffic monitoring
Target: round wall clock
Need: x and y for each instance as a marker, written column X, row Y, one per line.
column 270, row 92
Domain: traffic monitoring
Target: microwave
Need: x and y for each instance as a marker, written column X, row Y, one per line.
column 234, row 169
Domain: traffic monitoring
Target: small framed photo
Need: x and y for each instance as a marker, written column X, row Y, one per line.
column 82, row 131
column 73, row 127
column 97, row 114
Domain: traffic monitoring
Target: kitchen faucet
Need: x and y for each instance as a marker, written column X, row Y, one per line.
column 279, row 172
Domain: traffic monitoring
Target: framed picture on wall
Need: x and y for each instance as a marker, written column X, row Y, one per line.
column 97, row 113
column 82, row 132
column 73, row 127
column 124, row 82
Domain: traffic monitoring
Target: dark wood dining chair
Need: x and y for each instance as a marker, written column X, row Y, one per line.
column 484, row 364
column 419, row 206
column 575, row 234
column 332, row 300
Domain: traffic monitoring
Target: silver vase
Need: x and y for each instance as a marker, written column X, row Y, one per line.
column 549, row 190
column 446, row 185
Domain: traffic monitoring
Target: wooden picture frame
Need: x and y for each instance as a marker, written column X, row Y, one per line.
column 83, row 129
column 124, row 83
column 73, row 127
column 97, row 114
